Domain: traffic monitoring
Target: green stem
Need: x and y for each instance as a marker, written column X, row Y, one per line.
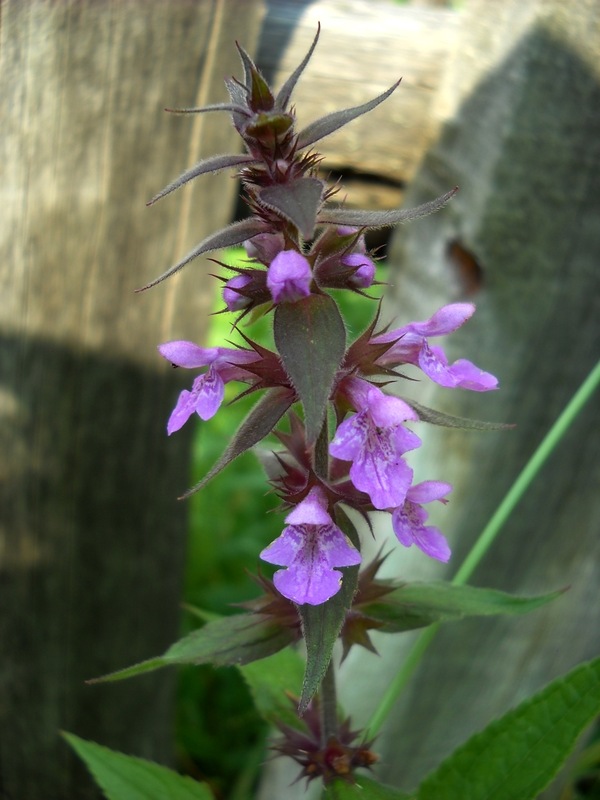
column 328, row 699
column 486, row 539
column 322, row 452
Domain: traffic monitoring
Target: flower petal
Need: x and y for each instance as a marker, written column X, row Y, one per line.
column 289, row 277
column 186, row 405
column 187, row 354
column 427, row 491
column 209, row 391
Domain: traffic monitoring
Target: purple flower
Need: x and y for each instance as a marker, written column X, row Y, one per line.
column 310, row 547
column 289, row 277
column 410, row 346
column 364, row 275
column 374, row 440
column 208, row 389
column 409, row 519
column 234, row 299
column 347, row 230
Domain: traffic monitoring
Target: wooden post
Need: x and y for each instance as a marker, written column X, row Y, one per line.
column 521, row 138
column 92, row 536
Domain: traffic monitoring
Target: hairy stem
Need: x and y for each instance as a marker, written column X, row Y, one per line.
column 322, row 452
column 328, row 698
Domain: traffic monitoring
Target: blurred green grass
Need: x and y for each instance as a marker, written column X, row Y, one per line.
column 219, row 736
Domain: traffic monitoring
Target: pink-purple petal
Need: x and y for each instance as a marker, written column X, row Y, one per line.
column 187, row 354
column 445, row 320
column 428, row 491
column 310, row 552
column 310, row 511
column 289, row 277
column 469, row 376
column 185, row 407
column 209, row 391
column 385, row 480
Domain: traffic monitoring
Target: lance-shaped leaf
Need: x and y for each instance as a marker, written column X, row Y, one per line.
column 417, row 605
column 123, row 777
column 332, row 122
column 212, row 164
column 284, row 94
column 233, row 107
column 311, row 339
column 381, row 219
column 259, row 423
column 229, row 641
column 518, row 755
column 297, row 202
column 271, row 681
column 322, row 624
column 362, row 788
column 236, row 233
column 450, row 421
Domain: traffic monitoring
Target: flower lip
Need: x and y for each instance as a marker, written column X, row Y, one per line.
column 310, row 547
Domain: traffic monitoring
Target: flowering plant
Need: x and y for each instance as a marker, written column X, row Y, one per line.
column 344, row 446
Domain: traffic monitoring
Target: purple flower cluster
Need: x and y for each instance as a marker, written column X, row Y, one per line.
column 299, row 246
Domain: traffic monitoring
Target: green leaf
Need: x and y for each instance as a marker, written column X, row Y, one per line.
column 518, row 755
column 236, row 233
column 297, row 202
column 259, row 423
column 381, row 219
column 284, row 94
column 228, row 641
column 322, row 624
column 416, row 605
column 363, row 789
column 311, row 339
column 123, row 777
column 332, row 122
column 212, row 164
column 271, row 681
column 450, row 421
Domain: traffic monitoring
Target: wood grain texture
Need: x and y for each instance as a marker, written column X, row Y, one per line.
column 520, row 110
column 364, row 48
column 91, row 536
column 522, row 140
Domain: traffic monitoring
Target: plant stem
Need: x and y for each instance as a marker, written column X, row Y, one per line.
column 322, row 452
column 328, row 700
column 327, row 692
column 485, row 540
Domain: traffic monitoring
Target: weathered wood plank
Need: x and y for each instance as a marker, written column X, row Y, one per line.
column 91, row 536
column 522, row 139
column 365, row 46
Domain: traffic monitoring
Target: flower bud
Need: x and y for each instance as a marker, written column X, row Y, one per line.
column 289, row 277
column 264, row 247
column 234, row 298
column 364, row 274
